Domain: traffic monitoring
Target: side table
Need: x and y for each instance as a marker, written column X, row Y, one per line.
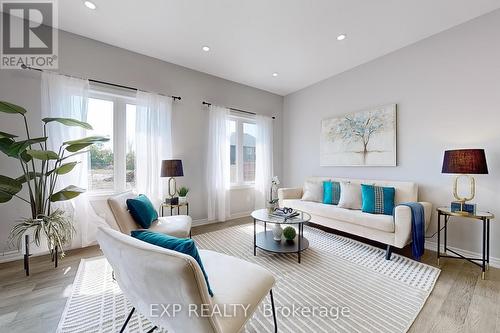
column 485, row 217
column 172, row 207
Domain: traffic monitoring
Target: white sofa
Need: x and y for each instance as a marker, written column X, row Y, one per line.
column 391, row 230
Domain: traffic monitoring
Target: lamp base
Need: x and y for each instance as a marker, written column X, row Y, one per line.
column 172, row 201
column 463, row 208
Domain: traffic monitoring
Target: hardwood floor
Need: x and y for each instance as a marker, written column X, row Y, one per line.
column 460, row 301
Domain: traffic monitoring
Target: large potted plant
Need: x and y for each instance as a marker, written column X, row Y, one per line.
column 40, row 172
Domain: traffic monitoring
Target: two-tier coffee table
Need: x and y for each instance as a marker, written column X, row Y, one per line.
column 265, row 239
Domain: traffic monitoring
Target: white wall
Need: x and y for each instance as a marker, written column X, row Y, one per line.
column 83, row 57
column 447, row 88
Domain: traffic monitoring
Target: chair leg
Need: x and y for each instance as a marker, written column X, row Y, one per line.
column 152, row 329
column 274, row 311
column 388, row 252
column 127, row 320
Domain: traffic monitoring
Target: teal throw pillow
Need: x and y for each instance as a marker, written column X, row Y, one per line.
column 331, row 192
column 377, row 199
column 182, row 245
column 142, row 211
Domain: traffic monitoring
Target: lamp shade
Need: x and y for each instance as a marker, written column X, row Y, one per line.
column 171, row 168
column 465, row 161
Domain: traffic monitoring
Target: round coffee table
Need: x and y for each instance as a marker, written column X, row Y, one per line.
column 265, row 239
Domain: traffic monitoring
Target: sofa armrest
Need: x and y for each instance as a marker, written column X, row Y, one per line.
column 290, row 193
column 402, row 223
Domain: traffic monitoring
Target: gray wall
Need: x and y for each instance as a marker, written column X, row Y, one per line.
column 83, row 57
column 447, row 88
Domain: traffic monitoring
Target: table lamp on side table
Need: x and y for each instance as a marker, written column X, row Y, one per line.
column 172, row 168
column 464, row 162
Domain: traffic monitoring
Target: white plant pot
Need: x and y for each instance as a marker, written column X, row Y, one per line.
column 277, row 232
column 182, row 200
column 34, row 249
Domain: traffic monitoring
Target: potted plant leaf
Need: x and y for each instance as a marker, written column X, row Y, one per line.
column 183, row 191
column 40, row 171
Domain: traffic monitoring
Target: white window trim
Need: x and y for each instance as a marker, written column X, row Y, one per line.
column 120, row 100
column 240, row 119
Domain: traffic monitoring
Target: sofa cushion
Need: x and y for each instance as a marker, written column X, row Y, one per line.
column 350, row 195
column 405, row 191
column 176, row 225
column 236, row 281
column 374, row 221
column 313, row 191
column 377, row 199
column 331, row 192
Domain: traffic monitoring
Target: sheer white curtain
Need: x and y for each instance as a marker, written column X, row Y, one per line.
column 218, row 160
column 153, row 137
column 67, row 97
column 263, row 160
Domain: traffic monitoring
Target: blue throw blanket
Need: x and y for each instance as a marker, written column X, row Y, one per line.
column 417, row 229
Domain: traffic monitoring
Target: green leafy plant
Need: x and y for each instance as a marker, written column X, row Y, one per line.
column 41, row 169
column 183, row 191
column 289, row 233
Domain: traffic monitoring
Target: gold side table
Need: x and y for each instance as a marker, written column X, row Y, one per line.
column 485, row 217
column 172, row 207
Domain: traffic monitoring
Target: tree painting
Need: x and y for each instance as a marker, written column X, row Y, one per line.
column 351, row 139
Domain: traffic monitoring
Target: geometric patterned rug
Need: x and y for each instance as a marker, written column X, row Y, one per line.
column 341, row 285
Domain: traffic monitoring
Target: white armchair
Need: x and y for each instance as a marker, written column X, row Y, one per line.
column 177, row 226
column 151, row 277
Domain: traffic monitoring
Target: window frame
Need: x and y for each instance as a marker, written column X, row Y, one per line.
column 120, row 100
column 240, row 120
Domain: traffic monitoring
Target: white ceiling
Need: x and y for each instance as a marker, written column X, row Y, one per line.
column 251, row 39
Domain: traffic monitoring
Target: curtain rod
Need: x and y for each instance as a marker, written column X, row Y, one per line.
column 23, row 66
column 237, row 110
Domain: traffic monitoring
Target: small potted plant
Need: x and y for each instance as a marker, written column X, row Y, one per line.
column 183, row 191
column 289, row 233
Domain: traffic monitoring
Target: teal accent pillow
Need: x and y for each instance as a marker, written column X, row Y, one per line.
column 331, row 192
column 142, row 211
column 182, row 245
column 327, row 192
column 377, row 199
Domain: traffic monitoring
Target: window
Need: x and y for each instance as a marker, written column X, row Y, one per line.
column 242, row 149
column 100, row 116
column 112, row 164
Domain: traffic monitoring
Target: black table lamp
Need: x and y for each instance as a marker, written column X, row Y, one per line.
column 171, row 168
column 465, row 162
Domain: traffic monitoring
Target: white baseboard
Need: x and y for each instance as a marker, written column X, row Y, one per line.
column 494, row 262
column 18, row 255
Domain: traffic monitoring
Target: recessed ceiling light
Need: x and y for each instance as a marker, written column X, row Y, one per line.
column 275, row 74
column 205, row 48
column 341, row 37
column 90, row 5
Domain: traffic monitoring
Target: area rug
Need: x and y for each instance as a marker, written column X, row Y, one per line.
column 341, row 285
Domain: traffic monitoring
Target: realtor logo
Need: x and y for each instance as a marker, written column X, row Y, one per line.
column 29, row 34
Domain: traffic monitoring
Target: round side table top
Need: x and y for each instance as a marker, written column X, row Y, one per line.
column 477, row 215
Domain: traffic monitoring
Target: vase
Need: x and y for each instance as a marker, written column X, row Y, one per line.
column 277, row 232
column 182, row 200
